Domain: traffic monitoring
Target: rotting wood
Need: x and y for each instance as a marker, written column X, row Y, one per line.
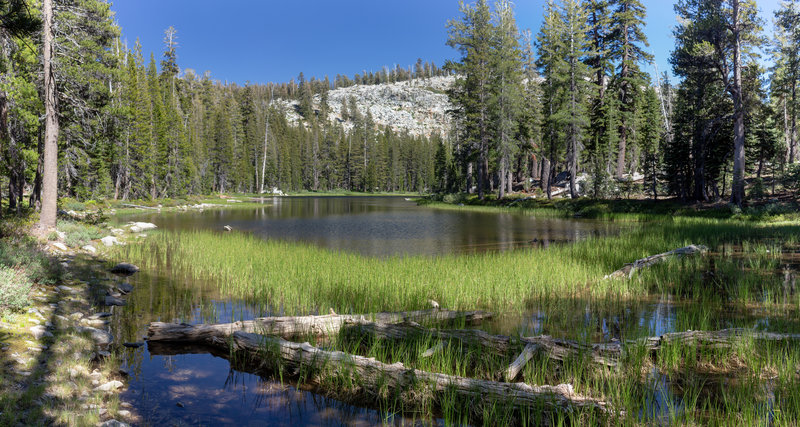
column 374, row 376
column 629, row 269
column 519, row 363
column 290, row 327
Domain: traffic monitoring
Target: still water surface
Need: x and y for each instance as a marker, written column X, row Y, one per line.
column 382, row 226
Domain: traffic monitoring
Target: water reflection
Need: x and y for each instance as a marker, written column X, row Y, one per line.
column 382, row 226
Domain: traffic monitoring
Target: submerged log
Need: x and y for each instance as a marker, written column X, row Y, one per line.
column 373, row 378
column 290, row 327
column 629, row 269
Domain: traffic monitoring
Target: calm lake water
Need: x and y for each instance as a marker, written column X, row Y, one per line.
column 382, row 226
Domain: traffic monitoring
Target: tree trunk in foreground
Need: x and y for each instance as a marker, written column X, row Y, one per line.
column 47, row 219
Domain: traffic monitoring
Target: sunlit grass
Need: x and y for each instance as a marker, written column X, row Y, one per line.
column 297, row 278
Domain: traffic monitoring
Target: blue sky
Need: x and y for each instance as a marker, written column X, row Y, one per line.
column 274, row 40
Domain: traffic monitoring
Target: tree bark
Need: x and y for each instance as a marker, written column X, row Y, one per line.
column 737, row 190
column 47, row 219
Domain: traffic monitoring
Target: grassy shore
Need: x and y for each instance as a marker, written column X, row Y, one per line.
column 741, row 283
column 770, row 210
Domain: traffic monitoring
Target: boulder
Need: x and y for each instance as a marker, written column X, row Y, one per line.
column 110, row 300
column 227, row 228
column 60, row 246
column 100, row 315
column 109, row 386
column 109, row 241
column 89, row 248
column 138, row 227
column 124, row 269
column 99, row 336
column 39, row 332
column 125, row 287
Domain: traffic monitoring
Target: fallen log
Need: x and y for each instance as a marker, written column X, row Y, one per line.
column 519, row 363
column 629, row 269
column 297, row 326
column 128, row 205
column 603, row 354
column 373, row 378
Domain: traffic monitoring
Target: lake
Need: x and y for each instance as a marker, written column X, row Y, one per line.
column 382, row 226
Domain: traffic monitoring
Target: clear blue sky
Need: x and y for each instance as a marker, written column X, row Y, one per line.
column 274, row 40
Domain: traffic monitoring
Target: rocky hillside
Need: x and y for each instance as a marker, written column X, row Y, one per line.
column 418, row 107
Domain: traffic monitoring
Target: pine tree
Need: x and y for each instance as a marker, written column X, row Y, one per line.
column 506, row 91
column 471, row 92
column 626, row 46
column 787, row 59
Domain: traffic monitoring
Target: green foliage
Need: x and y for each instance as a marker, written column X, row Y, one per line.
column 22, row 254
column 15, row 289
column 78, row 234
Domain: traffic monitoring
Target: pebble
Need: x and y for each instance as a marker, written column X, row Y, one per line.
column 124, row 413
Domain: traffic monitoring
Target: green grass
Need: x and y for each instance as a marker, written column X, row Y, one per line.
column 299, row 278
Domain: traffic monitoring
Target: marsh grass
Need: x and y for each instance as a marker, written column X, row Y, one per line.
column 741, row 283
column 299, row 278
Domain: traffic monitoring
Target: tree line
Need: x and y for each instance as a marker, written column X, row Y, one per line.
column 577, row 102
column 573, row 102
column 128, row 125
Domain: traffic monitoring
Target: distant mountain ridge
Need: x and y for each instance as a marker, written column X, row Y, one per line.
column 417, row 107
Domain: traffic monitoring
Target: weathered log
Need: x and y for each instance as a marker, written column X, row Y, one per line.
column 603, row 354
column 629, row 269
column 520, row 361
column 374, row 377
column 128, row 205
column 554, row 348
column 290, row 327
